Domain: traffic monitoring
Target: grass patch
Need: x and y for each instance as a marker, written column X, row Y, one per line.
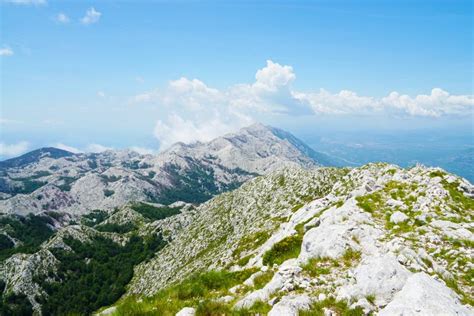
column 350, row 256
column 339, row 307
column 285, row 249
column 198, row 291
column 317, row 266
column 261, row 280
column 249, row 242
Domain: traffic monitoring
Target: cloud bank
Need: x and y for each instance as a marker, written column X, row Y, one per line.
column 12, row 150
column 199, row 112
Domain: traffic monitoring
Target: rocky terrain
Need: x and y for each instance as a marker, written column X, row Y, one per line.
column 247, row 224
column 376, row 239
column 52, row 179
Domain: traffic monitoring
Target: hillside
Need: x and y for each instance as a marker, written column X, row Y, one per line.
column 54, row 180
column 246, row 224
column 373, row 239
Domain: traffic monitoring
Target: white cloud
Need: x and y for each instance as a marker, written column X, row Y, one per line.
column 199, row 112
column 143, row 150
column 12, row 150
column 101, row 94
column 97, row 148
column 67, row 148
column 62, row 18
column 177, row 129
column 26, row 2
column 92, row 16
column 438, row 103
column 6, row 51
column 274, row 76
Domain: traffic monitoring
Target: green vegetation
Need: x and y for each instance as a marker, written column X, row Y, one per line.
column 317, row 266
column 110, row 179
column 261, row 280
column 197, row 290
column 30, row 231
column 154, row 213
column 116, row 228
column 462, row 204
column 108, row 192
column 14, row 304
column 249, row 242
column 95, row 217
column 437, row 173
column 370, row 202
column 93, row 274
column 351, row 256
column 29, row 186
column 66, row 183
column 285, row 249
column 339, row 307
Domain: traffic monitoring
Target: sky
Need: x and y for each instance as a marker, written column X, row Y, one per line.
column 92, row 75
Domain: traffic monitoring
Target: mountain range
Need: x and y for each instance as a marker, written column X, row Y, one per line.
column 254, row 222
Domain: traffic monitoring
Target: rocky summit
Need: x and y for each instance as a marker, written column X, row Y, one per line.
column 251, row 223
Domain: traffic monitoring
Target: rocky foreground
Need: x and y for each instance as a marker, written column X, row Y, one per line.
column 376, row 239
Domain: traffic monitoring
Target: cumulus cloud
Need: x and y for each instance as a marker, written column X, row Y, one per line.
column 6, row 51
column 92, row 16
column 436, row 104
column 26, row 2
column 62, row 18
column 177, row 129
column 97, row 148
column 12, row 150
column 200, row 112
column 67, row 148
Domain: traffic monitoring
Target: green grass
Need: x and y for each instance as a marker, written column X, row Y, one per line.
column 285, row 249
column 351, row 256
column 370, row 202
column 197, row 291
column 339, row 307
column 250, row 242
column 261, row 280
column 317, row 266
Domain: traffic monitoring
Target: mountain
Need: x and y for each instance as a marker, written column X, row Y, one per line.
column 50, row 179
column 248, row 223
column 374, row 239
column 34, row 157
column 377, row 239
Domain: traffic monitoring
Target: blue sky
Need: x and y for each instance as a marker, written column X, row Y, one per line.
column 140, row 73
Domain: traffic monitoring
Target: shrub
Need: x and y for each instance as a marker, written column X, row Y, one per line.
column 155, row 213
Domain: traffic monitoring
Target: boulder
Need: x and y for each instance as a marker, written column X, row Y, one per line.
column 423, row 295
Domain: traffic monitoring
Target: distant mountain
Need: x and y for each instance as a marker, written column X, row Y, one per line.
column 50, row 179
column 34, row 157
